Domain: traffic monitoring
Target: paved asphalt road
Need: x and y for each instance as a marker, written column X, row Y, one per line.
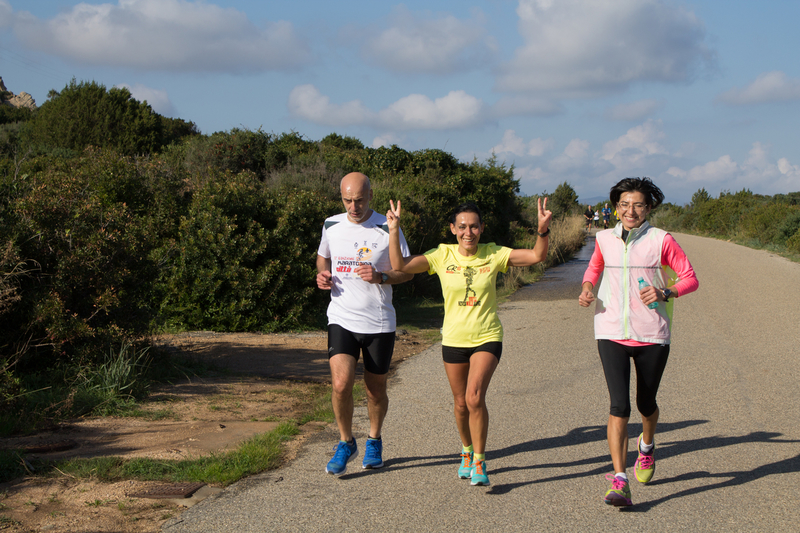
column 727, row 447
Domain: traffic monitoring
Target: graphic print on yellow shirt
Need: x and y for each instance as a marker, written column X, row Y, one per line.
column 468, row 287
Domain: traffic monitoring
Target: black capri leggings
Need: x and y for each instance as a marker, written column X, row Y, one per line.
column 649, row 361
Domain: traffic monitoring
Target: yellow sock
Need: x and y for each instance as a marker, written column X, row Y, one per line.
column 466, row 449
column 478, row 457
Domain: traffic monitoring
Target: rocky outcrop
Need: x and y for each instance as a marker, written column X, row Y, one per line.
column 22, row 99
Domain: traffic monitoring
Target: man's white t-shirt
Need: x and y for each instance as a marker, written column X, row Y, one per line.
column 356, row 305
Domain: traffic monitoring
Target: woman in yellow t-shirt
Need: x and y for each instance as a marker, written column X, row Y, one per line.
column 472, row 336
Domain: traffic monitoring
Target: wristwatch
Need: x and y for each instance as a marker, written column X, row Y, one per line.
column 384, row 278
column 667, row 293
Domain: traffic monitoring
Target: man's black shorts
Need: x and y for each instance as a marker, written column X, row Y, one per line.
column 377, row 347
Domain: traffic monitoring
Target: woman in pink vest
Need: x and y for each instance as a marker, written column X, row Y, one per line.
column 632, row 319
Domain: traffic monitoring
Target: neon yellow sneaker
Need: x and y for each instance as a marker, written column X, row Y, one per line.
column 619, row 495
column 645, row 465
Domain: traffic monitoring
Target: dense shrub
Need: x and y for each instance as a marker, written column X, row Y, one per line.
column 10, row 114
column 793, row 242
column 90, row 224
column 790, row 224
column 764, row 222
column 87, row 114
column 722, row 217
column 244, row 258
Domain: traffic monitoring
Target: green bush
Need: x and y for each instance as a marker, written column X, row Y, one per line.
column 793, row 242
column 763, row 222
column 10, row 114
column 790, row 225
column 244, row 258
column 90, row 224
column 87, row 114
column 722, row 216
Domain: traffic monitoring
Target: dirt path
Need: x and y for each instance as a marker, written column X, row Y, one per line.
column 266, row 379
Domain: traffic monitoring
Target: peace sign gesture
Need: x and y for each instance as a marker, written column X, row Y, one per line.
column 544, row 215
column 393, row 215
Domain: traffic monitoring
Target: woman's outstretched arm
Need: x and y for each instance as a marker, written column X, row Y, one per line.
column 527, row 257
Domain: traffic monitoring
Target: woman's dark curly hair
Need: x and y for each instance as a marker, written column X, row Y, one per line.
column 652, row 194
column 468, row 207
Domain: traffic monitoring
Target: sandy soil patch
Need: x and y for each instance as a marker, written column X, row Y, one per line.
column 267, row 380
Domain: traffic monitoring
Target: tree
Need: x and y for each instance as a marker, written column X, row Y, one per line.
column 87, row 114
column 700, row 197
column 564, row 201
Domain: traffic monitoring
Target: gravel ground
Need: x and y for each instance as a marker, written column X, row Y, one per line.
column 727, row 450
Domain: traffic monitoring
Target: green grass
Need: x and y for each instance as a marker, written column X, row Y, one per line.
column 257, row 454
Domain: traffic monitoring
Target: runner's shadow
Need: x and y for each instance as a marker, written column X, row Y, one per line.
column 739, row 477
column 665, row 451
column 575, row 437
column 399, row 463
column 584, row 435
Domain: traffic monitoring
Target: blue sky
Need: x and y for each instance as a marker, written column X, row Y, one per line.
column 692, row 94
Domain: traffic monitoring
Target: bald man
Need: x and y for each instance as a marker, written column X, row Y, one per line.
column 353, row 263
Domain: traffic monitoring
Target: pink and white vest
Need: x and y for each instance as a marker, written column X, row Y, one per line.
column 619, row 312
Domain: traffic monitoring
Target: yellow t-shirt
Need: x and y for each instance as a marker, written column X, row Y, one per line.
column 468, row 287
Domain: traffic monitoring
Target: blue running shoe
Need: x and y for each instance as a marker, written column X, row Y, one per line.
column 479, row 476
column 343, row 452
column 465, row 468
column 373, row 454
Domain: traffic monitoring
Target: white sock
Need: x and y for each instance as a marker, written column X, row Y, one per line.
column 622, row 475
column 645, row 448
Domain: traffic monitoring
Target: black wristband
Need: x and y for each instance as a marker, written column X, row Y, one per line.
column 545, row 234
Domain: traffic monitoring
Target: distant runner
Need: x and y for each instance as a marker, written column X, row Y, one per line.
column 606, row 216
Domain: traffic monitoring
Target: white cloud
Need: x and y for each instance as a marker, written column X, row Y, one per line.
column 156, row 98
column 582, row 48
column 174, row 35
column 574, row 157
column 789, row 170
column 513, row 144
column 431, row 45
column 510, row 144
column 386, row 140
column 631, row 149
column 455, row 110
column 305, row 101
column 676, row 172
column 759, row 173
column 768, row 87
column 532, row 178
column 634, row 111
column 722, row 170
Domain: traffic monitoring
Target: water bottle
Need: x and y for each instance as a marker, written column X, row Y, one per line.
column 642, row 285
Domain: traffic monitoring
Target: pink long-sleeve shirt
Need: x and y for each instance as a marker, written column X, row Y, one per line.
column 672, row 255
